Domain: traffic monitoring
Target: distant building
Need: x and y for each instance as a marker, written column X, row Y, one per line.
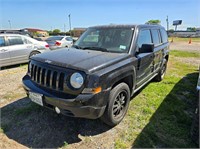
column 184, row 34
column 198, row 29
column 37, row 32
column 78, row 31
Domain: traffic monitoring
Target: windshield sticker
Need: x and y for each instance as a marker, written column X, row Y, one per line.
column 122, row 47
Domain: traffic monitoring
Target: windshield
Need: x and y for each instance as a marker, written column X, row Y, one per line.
column 55, row 38
column 106, row 39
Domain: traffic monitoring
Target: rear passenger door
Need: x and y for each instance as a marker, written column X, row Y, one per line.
column 4, row 53
column 19, row 50
column 158, row 49
column 145, row 60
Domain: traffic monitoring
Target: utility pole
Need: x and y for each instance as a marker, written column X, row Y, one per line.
column 167, row 20
column 70, row 24
column 9, row 23
column 64, row 28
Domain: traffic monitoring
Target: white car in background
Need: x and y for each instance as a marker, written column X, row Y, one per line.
column 16, row 49
column 56, row 42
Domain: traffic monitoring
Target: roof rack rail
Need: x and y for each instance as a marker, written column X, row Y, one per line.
column 20, row 31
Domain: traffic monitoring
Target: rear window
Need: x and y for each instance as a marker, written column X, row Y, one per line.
column 69, row 39
column 2, row 42
column 156, row 37
column 55, row 38
column 15, row 40
column 164, row 36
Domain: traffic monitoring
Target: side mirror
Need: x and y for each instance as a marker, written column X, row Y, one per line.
column 146, row 48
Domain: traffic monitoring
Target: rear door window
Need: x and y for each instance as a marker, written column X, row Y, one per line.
column 156, row 37
column 2, row 42
column 144, row 38
column 15, row 40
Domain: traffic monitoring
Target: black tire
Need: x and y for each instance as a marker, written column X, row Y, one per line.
column 117, row 105
column 161, row 72
column 33, row 53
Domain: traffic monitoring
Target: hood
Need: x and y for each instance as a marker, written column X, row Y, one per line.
column 85, row 60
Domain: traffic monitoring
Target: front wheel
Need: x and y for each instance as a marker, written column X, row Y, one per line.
column 117, row 105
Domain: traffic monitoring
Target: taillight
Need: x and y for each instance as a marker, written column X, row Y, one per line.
column 57, row 43
column 47, row 46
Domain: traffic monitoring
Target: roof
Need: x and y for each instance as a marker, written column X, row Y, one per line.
column 126, row 26
column 34, row 30
column 8, row 34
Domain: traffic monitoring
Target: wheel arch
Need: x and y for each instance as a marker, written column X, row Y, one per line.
column 34, row 51
column 127, row 76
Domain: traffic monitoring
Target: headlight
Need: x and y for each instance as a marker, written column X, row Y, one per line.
column 76, row 80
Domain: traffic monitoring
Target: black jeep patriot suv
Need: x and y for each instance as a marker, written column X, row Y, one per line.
column 97, row 76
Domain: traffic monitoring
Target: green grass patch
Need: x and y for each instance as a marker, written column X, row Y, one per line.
column 160, row 115
column 185, row 54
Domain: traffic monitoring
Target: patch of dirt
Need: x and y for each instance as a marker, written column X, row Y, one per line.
column 184, row 46
column 189, row 61
column 11, row 84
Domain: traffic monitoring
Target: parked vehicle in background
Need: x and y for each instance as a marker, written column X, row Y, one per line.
column 56, row 42
column 17, row 31
column 16, row 49
column 98, row 75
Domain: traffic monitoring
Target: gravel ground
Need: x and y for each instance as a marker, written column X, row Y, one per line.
column 184, row 46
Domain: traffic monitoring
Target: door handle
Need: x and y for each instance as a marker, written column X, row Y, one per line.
column 4, row 50
column 29, row 47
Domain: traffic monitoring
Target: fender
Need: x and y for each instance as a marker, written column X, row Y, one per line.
column 120, row 74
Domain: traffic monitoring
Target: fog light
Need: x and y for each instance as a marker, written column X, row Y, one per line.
column 57, row 110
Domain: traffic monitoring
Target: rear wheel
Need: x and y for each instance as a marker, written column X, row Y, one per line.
column 117, row 105
column 162, row 72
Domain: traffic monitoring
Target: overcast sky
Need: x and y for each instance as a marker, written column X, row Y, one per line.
column 51, row 14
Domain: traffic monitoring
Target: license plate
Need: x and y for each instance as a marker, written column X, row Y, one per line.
column 35, row 97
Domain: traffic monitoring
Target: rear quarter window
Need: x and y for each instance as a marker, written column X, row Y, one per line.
column 156, row 37
column 164, row 36
column 26, row 41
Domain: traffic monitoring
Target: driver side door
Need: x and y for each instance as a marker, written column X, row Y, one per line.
column 145, row 60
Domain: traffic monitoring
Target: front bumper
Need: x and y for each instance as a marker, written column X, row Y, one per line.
column 90, row 106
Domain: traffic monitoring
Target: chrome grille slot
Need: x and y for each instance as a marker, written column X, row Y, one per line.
column 38, row 74
column 32, row 70
column 43, row 76
column 34, row 73
column 48, row 77
column 61, row 81
column 54, row 78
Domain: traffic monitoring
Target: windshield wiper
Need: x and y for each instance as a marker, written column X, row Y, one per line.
column 96, row 48
column 77, row 47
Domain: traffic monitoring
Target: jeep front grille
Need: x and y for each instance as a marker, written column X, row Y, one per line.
column 49, row 78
